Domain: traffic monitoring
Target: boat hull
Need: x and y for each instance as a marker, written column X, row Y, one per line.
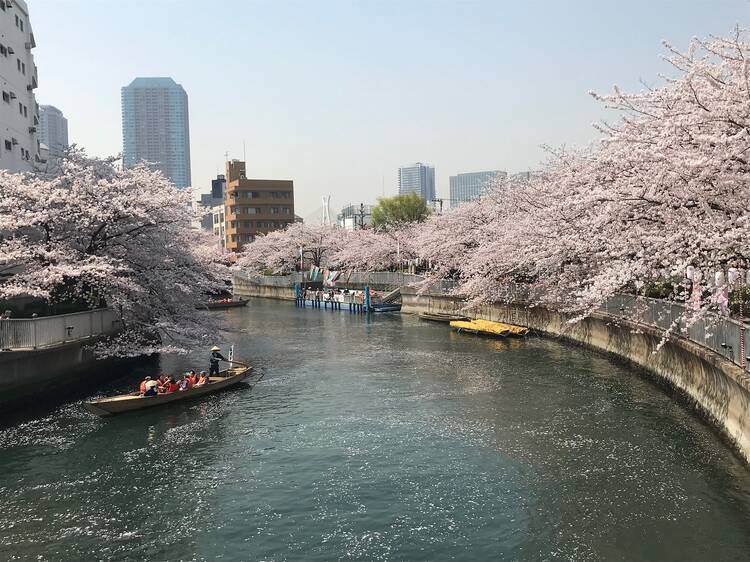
column 386, row 307
column 222, row 305
column 130, row 402
column 442, row 317
column 489, row 328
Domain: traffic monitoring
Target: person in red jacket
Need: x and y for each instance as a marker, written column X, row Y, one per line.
column 171, row 385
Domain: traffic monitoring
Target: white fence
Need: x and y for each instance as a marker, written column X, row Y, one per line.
column 33, row 333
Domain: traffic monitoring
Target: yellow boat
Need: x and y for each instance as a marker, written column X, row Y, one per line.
column 488, row 327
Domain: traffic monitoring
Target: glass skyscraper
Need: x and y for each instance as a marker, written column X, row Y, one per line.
column 418, row 178
column 155, row 127
column 467, row 187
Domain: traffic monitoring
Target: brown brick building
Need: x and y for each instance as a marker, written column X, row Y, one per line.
column 254, row 206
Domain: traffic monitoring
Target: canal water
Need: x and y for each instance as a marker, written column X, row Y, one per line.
column 378, row 439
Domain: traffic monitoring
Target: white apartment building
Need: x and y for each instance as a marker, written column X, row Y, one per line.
column 219, row 225
column 19, row 113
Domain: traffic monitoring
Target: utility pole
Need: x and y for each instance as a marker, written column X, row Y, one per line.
column 361, row 216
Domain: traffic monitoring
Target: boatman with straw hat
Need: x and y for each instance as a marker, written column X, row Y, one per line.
column 213, row 362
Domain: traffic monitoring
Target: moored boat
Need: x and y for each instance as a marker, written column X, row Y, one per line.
column 221, row 304
column 442, row 317
column 386, row 307
column 488, row 327
column 130, row 402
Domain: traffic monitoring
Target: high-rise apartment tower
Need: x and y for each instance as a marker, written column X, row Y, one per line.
column 155, row 127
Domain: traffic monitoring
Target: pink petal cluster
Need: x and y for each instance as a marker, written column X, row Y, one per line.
column 92, row 232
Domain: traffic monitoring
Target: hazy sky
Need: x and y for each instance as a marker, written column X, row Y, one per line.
column 338, row 95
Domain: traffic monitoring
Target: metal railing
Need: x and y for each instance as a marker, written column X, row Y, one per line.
column 46, row 331
column 717, row 333
column 386, row 279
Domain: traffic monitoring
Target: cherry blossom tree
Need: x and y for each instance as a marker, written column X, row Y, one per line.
column 92, row 232
column 665, row 188
column 279, row 250
column 374, row 250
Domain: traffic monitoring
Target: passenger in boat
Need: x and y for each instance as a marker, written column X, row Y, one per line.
column 203, row 379
column 184, row 384
column 192, row 377
column 171, row 386
column 151, row 388
column 142, row 388
column 213, row 362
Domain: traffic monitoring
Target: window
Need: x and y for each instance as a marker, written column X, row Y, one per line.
column 3, row 50
column 23, row 68
column 8, row 145
column 21, row 24
column 25, row 111
column 16, row 20
column 20, row 108
column 18, row 64
column 6, row 97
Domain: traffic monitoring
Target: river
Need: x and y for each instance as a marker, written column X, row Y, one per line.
column 378, row 439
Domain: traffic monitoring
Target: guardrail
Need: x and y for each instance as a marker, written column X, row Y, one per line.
column 34, row 333
column 389, row 279
column 717, row 333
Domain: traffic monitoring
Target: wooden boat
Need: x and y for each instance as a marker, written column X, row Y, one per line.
column 442, row 317
column 386, row 307
column 130, row 402
column 218, row 305
column 489, row 328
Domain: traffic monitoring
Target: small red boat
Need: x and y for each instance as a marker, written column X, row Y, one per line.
column 221, row 304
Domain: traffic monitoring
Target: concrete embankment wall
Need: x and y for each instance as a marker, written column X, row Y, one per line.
column 718, row 388
column 244, row 288
column 30, row 373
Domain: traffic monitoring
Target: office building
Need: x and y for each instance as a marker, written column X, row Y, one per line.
column 522, row 177
column 53, row 130
column 355, row 217
column 211, row 200
column 19, row 112
column 418, row 178
column 155, row 127
column 254, row 206
column 469, row 186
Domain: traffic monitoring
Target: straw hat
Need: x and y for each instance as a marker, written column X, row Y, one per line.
column 215, row 348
